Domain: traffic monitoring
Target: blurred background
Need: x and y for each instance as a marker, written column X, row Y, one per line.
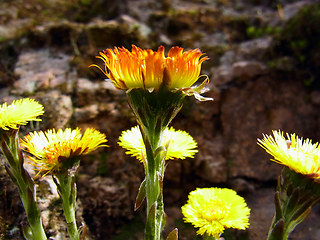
column 264, row 69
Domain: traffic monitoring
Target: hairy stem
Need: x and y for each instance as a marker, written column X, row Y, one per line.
column 14, row 166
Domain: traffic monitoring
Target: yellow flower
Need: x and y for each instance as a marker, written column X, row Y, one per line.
column 52, row 147
column 179, row 144
column 19, row 113
column 212, row 210
column 299, row 155
column 149, row 70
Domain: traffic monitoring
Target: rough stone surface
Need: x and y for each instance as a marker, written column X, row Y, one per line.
column 106, row 204
column 58, row 109
column 222, row 75
column 246, row 113
column 42, row 70
column 210, row 162
column 248, row 70
column 255, row 48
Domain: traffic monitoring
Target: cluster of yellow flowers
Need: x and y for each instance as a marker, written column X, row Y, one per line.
column 210, row 209
column 49, row 148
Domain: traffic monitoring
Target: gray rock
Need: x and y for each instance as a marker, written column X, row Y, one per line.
column 254, row 49
column 262, row 208
column 86, row 91
column 4, row 92
column 14, row 29
column 222, row 75
column 241, row 185
column 248, row 69
column 259, row 107
column 290, row 10
column 164, row 39
column 229, row 57
column 104, row 198
column 58, row 109
column 42, row 70
column 210, row 162
column 86, row 113
column 85, row 85
column 134, row 26
column 103, row 34
column 286, row 12
column 214, row 39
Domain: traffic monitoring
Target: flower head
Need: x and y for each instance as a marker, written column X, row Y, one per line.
column 179, row 144
column 183, row 68
column 299, row 155
column 19, row 113
column 148, row 69
column 52, row 148
column 212, row 210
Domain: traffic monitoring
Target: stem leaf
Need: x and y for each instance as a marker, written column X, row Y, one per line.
column 173, row 235
column 141, row 195
column 27, row 233
column 277, row 231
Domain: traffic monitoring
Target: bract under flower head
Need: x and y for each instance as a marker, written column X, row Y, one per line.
column 212, row 210
column 19, row 113
column 150, row 70
column 299, row 155
column 179, row 144
column 51, row 148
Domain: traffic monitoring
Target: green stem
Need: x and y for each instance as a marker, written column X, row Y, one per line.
column 14, row 165
column 67, row 188
column 209, row 237
column 154, row 111
column 154, row 178
column 32, row 210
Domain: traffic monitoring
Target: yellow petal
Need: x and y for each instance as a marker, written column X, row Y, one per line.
column 212, row 210
column 20, row 112
column 179, row 144
column 48, row 148
column 299, row 155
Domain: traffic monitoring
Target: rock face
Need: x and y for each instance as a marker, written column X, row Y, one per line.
column 258, row 107
column 42, row 70
column 264, row 75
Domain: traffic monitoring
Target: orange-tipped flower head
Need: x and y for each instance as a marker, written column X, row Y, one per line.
column 150, row 69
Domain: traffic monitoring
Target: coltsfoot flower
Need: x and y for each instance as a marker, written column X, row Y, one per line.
column 148, row 69
column 179, row 144
column 19, row 113
column 212, row 210
column 299, row 155
column 51, row 149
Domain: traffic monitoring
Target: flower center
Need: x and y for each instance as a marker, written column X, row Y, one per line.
column 51, row 153
column 215, row 210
